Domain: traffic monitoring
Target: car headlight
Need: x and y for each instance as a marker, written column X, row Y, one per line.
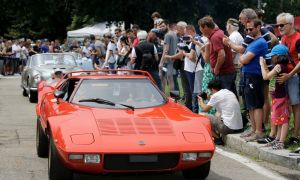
column 193, row 156
column 189, row 156
column 91, row 158
column 86, row 158
column 37, row 78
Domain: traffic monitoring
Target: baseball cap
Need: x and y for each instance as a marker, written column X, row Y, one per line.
column 278, row 50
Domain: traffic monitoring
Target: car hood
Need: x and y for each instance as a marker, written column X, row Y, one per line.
column 141, row 130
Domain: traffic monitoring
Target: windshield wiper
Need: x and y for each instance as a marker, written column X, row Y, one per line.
column 103, row 101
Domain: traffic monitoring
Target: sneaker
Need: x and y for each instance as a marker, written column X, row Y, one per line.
column 265, row 140
column 271, row 144
column 278, row 145
column 293, row 140
column 253, row 137
column 295, row 152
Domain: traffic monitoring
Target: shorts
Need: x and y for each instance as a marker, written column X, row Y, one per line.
column 293, row 90
column 219, row 127
column 253, row 91
column 170, row 68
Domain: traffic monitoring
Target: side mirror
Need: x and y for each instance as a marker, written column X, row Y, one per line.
column 175, row 95
column 59, row 94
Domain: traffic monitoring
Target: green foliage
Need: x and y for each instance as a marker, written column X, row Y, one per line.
column 52, row 18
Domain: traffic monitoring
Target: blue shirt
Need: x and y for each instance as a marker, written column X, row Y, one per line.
column 44, row 48
column 259, row 47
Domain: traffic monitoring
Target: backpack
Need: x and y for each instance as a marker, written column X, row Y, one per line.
column 147, row 59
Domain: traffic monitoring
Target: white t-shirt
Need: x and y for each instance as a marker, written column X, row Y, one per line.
column 236, row 38
column 17, row 50
column 228, row 106
column 198, row 52
column 189, row 65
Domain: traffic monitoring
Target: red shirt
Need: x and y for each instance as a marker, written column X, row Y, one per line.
column 216, row 44
column 290, row 42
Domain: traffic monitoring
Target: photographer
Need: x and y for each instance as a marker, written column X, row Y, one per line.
column 228, row 118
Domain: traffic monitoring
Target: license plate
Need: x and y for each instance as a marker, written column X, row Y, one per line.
column 143, row 158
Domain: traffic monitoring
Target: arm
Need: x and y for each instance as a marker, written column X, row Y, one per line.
column 204, row 107
column 274, row 39
column 179, row 55
column 205, row 52
column 237, row 48
column 267, row 75
column 191, row 55
column 246, row 58
column 220, row 61
column 165, row 52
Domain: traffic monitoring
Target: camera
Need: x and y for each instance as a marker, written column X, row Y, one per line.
column 186, row 38
column 203, row 95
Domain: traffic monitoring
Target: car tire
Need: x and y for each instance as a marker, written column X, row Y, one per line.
column 42, row 142
column 24, row 92
column 199, row 172
column 56, row 169
column 32, row 95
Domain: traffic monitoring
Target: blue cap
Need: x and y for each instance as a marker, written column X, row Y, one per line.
column 278, row 50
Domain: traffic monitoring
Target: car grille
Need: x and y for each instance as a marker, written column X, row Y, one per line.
column 122, row 162
column 123, row 126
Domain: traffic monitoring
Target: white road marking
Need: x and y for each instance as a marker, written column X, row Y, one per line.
column 251, row 164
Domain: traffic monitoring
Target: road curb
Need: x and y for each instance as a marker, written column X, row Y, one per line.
column 279, row 157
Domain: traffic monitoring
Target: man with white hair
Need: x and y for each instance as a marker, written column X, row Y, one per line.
column 291, row 38
column 144, row 57
column 232, row 27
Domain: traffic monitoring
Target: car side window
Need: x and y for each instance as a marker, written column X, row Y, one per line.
column 68, row 87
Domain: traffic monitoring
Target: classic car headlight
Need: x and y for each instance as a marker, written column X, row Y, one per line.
column 193, row 156
column 91, row 158
column 189, row 156
column 37, row 78
column 87, row 158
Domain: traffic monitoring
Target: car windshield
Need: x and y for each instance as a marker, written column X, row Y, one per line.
column 138, row 93
column 53, row 59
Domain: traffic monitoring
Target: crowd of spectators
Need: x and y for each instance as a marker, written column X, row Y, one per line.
column 219, row 70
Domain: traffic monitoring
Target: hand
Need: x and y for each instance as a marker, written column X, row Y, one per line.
column 262, row 61
column 226, row 41
column 282, row 78
column 200, row 100
column 216, row 71
column 161, row 66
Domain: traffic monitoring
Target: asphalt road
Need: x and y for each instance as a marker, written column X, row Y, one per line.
column 20, row 162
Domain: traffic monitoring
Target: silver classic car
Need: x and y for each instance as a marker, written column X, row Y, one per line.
column 41, row 67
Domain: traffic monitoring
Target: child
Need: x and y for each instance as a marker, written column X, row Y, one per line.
column 280, row 112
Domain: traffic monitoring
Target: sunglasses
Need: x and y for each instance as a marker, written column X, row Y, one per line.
column 281, row 25
column 249, row 29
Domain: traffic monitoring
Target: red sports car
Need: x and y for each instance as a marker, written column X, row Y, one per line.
column 99, row 122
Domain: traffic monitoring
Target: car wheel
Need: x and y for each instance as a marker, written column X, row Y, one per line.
column 42, row 142
column 199, row 172
column 32, row 95
column 56, row 169
column 24, row 92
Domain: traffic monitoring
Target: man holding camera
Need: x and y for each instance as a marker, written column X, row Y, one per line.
column 228, row 118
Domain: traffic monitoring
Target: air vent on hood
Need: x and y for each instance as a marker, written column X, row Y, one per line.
column 123, row 126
